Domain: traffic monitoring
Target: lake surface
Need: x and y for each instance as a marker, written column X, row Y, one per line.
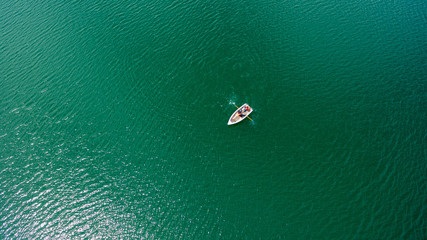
column 113, row 119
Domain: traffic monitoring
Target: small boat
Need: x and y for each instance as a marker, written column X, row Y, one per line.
column 240, row 114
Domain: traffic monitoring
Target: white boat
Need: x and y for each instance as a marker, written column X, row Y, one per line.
column 240, row 114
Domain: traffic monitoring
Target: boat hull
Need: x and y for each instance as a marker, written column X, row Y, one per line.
column 240, row 114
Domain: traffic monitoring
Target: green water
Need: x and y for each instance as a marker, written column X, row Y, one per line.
column 113, row 119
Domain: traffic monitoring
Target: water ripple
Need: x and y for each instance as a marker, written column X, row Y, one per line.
column 113, row 120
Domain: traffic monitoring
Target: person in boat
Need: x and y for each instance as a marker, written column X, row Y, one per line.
column 240, row 114
column 247, row 109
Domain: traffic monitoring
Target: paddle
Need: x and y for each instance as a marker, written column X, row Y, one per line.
column 246, row 116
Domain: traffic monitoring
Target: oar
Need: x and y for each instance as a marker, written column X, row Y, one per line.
column 246, row 116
